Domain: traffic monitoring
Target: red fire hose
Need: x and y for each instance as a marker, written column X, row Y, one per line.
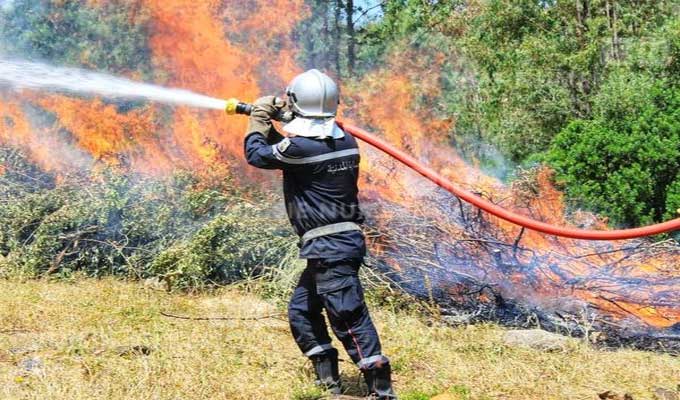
column 510, row 216
column 234, row 106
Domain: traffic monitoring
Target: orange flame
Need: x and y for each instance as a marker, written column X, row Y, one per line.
column 217, row 50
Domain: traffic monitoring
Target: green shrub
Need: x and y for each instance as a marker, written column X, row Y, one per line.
column 417, row 395
column 673, row 200
column 230, row 247
column 175, row 228
column 625, row 160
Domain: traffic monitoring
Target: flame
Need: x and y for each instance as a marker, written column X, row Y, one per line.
column 217, row 50
column 227, row 49
column 38, row 142
column 14, row 127
column 188, row 41
column 98, row 128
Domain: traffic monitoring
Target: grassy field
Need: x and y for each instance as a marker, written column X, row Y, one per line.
column 76, row 340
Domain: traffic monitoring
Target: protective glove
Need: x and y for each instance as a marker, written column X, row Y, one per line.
column 264, row 110
column 285, row 114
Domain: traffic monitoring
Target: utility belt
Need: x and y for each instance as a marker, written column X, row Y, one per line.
column 329, row 230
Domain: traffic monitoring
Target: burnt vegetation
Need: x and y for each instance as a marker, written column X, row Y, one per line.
column 448, row 253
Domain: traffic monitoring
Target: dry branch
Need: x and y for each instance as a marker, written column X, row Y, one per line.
column 279, row 316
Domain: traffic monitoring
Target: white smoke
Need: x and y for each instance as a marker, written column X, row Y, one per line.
column 6, row 4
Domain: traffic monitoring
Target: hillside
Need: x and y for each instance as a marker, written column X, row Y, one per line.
column 83, row 339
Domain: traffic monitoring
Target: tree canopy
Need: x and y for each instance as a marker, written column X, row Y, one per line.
column 588, row 86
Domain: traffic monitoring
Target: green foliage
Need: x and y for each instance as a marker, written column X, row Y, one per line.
column 229, row 247
column 585, row 79
column 113, row 37
column 417, row 395
column 175, row 229
column 673, row 200
column 404, row 24
column 625, row 160
column 459, row 391
column 320, row 37
column 540, row 64
column 309, row 393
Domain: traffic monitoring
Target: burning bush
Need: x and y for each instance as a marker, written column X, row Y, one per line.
column 176, row 228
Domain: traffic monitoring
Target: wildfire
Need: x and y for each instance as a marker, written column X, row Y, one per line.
column 15, row 130
column 226, row 49
column 212, row 49
column 220, row 52
column 609, row 277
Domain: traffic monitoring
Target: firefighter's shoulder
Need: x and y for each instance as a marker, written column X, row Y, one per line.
column 283, row 145
column 297, row 146
column 289, row 150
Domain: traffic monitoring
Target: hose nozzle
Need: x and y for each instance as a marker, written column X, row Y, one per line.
column 234, row 106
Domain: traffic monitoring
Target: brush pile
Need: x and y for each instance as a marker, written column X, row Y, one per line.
column 614, row 294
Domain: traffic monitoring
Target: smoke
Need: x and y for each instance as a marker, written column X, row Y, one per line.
column 19, row 75
column 6, row 4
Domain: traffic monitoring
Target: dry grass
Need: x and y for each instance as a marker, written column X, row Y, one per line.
column 75, row 330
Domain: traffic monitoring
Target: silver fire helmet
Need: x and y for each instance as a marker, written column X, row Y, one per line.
column 313, row 94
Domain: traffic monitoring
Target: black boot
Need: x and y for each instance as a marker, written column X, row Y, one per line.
column 326, row 368
column 379, row 381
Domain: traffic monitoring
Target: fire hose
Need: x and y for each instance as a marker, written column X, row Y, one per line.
column 236, row 107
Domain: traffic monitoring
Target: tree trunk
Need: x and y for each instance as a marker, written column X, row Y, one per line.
column 351, row 36
column 579, row 81
column 582, row 15
column 613, row 28
column 326, row 32
column 337, row 37
column 616, row 43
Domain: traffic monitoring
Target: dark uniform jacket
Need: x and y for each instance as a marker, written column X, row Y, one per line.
column 319, row 185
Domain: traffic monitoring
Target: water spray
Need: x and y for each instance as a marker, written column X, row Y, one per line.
column 18, row 75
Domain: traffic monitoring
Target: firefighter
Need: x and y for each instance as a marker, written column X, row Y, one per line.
column 320, row 164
